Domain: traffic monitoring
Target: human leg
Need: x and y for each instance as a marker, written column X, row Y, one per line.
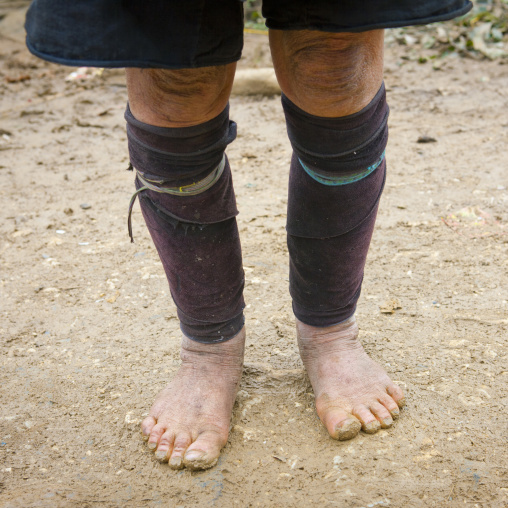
column 178, row 127
column 336, row 115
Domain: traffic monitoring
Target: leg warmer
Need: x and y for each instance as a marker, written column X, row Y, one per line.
column 184, row 183
column 336, row 179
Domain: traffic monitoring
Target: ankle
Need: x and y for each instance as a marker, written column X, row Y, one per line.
column 226, row 354
column 340, row 337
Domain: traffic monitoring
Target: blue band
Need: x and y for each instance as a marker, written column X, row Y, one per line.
column 342, row 180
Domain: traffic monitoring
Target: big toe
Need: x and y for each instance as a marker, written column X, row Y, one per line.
column 340, row 424
column 204, row 452
column 146, row 426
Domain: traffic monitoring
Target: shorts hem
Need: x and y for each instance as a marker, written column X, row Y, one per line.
column 114, row 64
column 365, row 28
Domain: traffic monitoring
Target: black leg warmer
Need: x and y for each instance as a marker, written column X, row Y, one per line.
column 186, row 194
column 336, row 179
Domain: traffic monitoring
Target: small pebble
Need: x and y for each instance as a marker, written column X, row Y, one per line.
column 85, row 206
column 426, row 139
column 60, row 232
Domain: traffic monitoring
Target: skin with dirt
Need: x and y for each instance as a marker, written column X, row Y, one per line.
column 89, row 334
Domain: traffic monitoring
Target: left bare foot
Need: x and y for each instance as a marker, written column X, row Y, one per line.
column 352, row 391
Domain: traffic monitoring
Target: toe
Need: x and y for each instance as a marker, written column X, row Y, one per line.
column 146, row 426
column 397, row 395
column 382, row 414
column 165, row 446
column 204, row 452
column 340, row 424
column 348, row 429
column 369, row 422
column 180, row 446
column 390, row 405
column 155, row 435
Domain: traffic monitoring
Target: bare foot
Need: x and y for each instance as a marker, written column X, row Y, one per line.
column 352, row 391
column 189, row 421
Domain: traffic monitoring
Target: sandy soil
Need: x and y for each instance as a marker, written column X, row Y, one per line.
column 89, row 335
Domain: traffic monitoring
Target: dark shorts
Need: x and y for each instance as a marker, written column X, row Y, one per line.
column 178, row 34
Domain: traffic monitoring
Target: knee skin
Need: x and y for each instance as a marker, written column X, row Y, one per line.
column 328, row 74
column 179, row 98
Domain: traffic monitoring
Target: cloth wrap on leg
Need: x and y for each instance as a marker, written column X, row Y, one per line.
column 336, row 179
column 185, row 188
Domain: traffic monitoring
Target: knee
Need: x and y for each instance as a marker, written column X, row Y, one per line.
column 328, row 74
column 199, row 84
column 183, row 96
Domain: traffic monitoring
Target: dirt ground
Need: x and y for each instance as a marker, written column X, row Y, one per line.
column 89, row 334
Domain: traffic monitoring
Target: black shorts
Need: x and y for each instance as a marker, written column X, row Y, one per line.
column 176, row 34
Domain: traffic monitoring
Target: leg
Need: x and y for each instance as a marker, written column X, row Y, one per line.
column 178, row 128
column 336, row 115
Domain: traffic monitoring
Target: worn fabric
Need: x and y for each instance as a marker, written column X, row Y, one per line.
column 196, row 235
column 330, row 226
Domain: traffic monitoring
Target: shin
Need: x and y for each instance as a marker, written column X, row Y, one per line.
column 186, row 194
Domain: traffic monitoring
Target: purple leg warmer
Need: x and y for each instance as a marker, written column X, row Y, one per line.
column 336, row 180
column 187, row 198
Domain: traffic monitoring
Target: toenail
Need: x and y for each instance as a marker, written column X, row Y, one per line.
column 145, row 436
column 176, row 462
column 371, row 427
column 387, row 422
column 402, row 402
column 347, row 430
column 152, row 446
column 395, row 412
column 161, row 454
column 194, row 455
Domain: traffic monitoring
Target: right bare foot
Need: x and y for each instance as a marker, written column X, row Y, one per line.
column 189, row 422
